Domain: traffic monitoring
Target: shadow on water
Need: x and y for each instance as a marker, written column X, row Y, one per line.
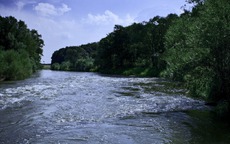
column 163, row 86
column 16, row 123
column 207, row 129
column 188, row 126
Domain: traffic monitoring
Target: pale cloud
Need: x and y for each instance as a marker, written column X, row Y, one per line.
column 64, row 9
column 108, row 18
column 46, row 9
column 20, row 5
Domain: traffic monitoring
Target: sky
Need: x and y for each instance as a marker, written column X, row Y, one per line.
column 75, row 22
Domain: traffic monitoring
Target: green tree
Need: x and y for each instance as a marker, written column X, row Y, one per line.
column 214, row 34
column 136, row 46
column 104, row 53
column 155, row 38
column 55, row 66
column 65, row 66
column 84, row 64
column 15, row 65
column 23, row 45
column 198, row 50
column 75, row 58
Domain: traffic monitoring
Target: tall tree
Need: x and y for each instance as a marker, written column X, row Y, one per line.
column 23, row 44
column 214, row 34
column 198, row 50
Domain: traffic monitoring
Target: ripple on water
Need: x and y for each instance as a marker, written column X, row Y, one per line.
column 88, row 108
column 12, row 96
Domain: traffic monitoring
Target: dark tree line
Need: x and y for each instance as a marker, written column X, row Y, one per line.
column 75, row 58
column 20, row 49
column 135, row 49
column 198, row 51
column 126, row 50
column 193, row 48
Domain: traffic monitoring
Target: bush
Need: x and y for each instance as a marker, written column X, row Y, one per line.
column 15, row 65
column 55, row 66
column 65, row 66
column 84, row 64
column 200, row 82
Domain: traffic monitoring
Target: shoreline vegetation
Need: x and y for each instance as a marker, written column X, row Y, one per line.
column 20, row 49
column 2, row 79
column 192, row 48
column 46, row 66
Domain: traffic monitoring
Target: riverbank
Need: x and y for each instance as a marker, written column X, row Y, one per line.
column 46, row 66
column 2, row 79
column 135, row 71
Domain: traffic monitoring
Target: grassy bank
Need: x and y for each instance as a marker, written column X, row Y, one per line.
column 46, row 66
column 135, row 71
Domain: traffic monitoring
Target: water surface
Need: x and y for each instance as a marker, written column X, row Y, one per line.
column 84, row 108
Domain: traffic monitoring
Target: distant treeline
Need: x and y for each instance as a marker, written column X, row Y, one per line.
column 193, row 48
column 75, row 58
column 20, row 49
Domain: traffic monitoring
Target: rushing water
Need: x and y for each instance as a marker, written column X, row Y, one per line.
column 70, row 107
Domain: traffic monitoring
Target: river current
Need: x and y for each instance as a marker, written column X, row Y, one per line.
column 88, row 108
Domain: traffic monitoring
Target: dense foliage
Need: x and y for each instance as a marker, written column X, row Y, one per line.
column 20, row 49
column 193, row 48
column 135, row 49
column 75, row 58
column 198, row 50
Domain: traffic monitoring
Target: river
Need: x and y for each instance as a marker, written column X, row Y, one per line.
column 89, row 108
